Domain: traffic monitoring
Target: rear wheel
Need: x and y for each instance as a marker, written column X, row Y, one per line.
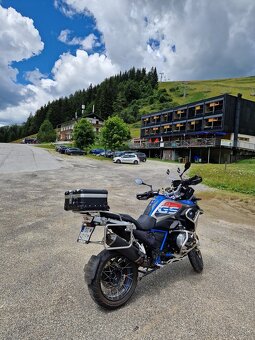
column 115, row 280
column 135, row 162
column 196, row 259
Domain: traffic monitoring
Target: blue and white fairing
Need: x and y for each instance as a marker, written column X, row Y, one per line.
column 162, row 205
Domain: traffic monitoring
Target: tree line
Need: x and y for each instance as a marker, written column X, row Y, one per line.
column 121, row 95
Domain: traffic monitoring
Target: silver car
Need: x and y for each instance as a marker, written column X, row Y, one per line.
column 127, row 158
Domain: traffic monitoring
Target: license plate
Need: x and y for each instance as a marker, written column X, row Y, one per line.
column 85, row 234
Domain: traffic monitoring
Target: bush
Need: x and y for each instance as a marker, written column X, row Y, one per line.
column 46, row 132
column 83, row 134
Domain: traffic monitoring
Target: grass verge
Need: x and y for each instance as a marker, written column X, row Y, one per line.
column 49, row 146
column 236, row 177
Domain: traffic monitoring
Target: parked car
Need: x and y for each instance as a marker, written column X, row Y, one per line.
column 96, row 151
column 127, row 158
column 142, row 156
column 74, row 151
column 58, row 146
column 29, row 141
column 118, row 153
column 62, row 149
column 107, row 153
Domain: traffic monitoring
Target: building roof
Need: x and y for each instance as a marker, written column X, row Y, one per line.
column 68, row 122
column 92, row 115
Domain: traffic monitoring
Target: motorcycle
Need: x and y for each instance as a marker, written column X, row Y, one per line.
column 133, row 248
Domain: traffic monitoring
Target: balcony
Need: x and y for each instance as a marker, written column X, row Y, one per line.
column 240, row 145
column 188, row 143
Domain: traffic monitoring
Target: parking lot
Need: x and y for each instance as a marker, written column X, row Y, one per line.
column 43, row 294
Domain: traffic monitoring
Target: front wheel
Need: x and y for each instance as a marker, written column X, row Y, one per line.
column 118, row 161
column 196, row 259
column 115, row 280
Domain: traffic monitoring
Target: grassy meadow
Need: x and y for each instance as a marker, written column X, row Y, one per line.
column 236, row 177
column 189, row 91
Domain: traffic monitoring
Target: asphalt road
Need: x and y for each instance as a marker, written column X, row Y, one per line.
column 42, row 290
column 21, row 158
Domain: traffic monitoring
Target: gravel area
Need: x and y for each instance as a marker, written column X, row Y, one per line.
column 43, row 294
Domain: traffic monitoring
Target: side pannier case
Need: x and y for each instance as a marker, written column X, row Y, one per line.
column 86, row 200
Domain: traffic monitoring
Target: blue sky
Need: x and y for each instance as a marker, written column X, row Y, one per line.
column 50, row 21
column 52, row 48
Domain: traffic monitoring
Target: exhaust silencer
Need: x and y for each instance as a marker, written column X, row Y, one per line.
column 132, row 253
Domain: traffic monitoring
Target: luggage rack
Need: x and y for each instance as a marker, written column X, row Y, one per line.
column 92, row 219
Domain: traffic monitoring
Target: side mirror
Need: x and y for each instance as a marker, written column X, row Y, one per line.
column 167, row 171
column 178, row 170
column 139, row 181
column 187, row 166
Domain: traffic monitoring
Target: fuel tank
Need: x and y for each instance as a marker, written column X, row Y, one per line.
column 163, row 206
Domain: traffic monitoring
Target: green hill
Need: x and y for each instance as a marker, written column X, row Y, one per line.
column 182, row 92
column 188, row 91
column 129, row 95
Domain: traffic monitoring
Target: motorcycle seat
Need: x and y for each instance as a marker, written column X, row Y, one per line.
column 120, row 217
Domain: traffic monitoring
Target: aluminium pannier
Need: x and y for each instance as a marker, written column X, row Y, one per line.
column 83, row 200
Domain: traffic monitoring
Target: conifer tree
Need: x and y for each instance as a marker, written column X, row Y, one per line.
column 46, row 132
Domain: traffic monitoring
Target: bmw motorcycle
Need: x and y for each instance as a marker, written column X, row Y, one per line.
column 133, row 248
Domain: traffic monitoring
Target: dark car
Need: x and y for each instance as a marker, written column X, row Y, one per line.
column 118, row 153
column 74, row 151
column 96, row 151
column 141, row 156
column 106, row 153
column 62, row 148
column 30, row 141
column 57, row 147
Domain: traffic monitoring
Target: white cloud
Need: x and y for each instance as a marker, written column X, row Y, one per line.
column 20, row 40
column 70, row 73
column 212, row 38
column 35, row 76
column 87, row 43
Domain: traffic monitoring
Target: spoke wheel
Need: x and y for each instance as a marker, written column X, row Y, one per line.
column 115, row 280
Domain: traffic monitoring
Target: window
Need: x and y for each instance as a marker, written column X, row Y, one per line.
column 180, row 114
column 212, row 107
column 213, row 123
column 179, row 127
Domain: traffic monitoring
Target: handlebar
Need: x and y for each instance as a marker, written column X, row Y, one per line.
column 192, row 180
column 186, row 182
column 146, row 195
column 175, row 191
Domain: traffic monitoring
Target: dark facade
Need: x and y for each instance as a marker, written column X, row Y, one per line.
column 199, row 124
column 210, row 116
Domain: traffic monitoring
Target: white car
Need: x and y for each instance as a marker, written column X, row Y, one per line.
column 127, row 158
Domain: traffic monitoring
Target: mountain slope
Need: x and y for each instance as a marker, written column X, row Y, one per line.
column 189, row 91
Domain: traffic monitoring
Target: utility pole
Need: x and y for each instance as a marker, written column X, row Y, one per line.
column 184, row 90
column 82, row 109
column 161, row 75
